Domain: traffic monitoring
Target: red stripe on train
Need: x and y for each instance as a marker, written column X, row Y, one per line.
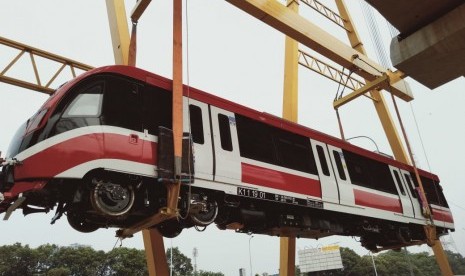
column 76, row 151
column 280, row 180
column 442, row 215
column 377, row 201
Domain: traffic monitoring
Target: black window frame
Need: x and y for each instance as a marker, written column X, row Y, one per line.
column 122, row 108
column 369, row 173
column 322, row 156
column 196, row 124
column 399, row 183
column 225, row 132
column 156, row 109
column 339, row 166
column 410, row 185
column 269, row 144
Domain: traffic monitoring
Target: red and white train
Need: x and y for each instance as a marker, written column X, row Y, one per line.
column 93, row 149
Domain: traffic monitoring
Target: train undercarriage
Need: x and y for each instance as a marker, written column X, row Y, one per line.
column 108, row 199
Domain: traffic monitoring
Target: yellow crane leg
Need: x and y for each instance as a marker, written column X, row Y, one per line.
column 153, row 241
column 155, row 253
column 119, row 30
column 287, row 260
column 392, row 135
column 290, row 112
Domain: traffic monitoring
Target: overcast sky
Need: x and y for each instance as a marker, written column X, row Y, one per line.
column 234, row 56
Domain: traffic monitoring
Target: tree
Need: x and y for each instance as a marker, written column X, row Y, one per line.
column 457, row 262
column 60, row 271
column 182, row 265
column 17, row 260
column 123, row 261
column 80, row 260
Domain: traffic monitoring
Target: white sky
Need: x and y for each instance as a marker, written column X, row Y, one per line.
column 234, row 56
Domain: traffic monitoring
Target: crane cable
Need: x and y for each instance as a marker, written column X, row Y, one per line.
column 338, row 96
column 382, row 57
column 435, row 185
column 425, row 208
column 385, row 61
column 133, row 45
column 189, row 164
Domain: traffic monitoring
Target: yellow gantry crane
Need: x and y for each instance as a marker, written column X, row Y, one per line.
column 286, row 19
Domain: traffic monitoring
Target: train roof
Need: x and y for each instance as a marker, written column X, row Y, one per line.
column 159, row 81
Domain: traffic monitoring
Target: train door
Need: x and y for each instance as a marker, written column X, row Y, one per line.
column 122, row 111
column 346, row 192
column 412, row 193
column 407, row 207
column 329, row 191
column 226, row 146
column 197, row 122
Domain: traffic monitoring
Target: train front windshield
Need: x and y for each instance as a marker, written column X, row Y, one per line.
column 15, row 144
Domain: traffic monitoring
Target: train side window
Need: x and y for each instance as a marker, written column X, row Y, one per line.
column 410, row 186
column 340, row 168
column 156, row 109
column 322, row 157
column 195, row 115
column 86, row 103
column 294, row 151
column 225, row 132
column 366, row 172
column 399, row 182
column 433, row 192
column 122, row 104
column 255, row 140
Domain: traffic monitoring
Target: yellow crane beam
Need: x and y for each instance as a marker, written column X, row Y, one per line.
column 293, row 25
column 41, row 84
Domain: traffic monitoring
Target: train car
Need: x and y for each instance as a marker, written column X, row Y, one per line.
column 94, row 152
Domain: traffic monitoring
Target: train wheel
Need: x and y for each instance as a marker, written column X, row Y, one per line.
column 170, row 228
column 207, row 216
column 79, row 223
column 112, row 199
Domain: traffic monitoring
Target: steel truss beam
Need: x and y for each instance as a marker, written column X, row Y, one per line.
column 328, row 71
column 293, row 25
column 325, row 11
column 40, row 84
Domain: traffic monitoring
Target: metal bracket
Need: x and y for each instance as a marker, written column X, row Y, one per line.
column 14, row 206
column 377, row 84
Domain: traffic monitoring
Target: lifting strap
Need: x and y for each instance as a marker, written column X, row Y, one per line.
column 425, row 207
column 133, row 45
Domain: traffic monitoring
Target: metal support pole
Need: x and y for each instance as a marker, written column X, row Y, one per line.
column 287, row 262
column 250, row 256
column 290, row 112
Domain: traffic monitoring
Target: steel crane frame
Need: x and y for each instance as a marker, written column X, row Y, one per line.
column 297, row 29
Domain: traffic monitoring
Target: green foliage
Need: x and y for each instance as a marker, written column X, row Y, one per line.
column 17, row 260
column 126, row 261
column 59, row 271
column 53, row 260
column 182, row 265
